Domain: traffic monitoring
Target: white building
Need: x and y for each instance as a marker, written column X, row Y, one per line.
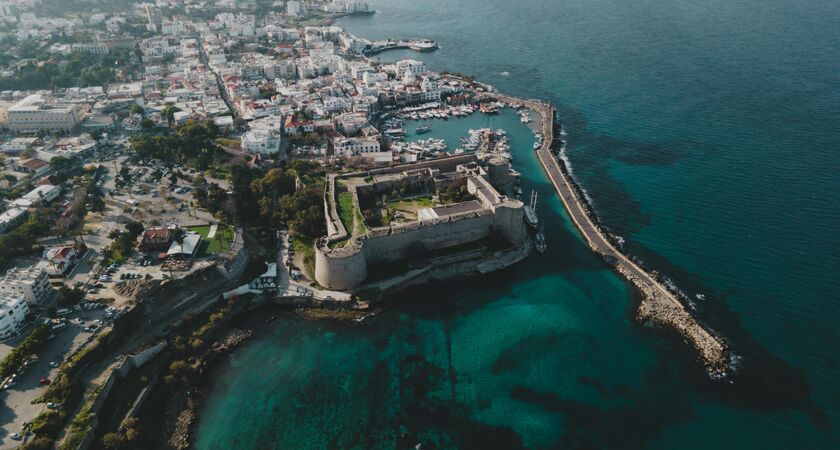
column 344, row 146
column 13, row 312
column 262, row 141
column 90, row 47
column 11, row 219
column 60, row 260
column 411, row 67
column 36, row 113
column 40, row 195
column 32, row 283
column 18, row 145
column 431, row 88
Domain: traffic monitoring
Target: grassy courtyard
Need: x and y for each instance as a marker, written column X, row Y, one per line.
column 217, row 244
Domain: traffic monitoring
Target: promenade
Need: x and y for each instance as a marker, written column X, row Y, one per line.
column 658, row 304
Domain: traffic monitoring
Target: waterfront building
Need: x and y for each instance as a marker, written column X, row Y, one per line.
column 355, row 146
column 411, row 67
column 32, row 283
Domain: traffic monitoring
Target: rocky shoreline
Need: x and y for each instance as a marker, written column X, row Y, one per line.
column 662, row 303
column 188, row 418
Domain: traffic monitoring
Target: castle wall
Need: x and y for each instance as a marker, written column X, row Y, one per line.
column 508, row 222
column 397, row 246
column 341, row 270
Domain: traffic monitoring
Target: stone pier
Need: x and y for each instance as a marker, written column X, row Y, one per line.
column 659, row 305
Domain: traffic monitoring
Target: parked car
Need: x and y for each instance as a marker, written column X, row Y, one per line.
column 45, row 381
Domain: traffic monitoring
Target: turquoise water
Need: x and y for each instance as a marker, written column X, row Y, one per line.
column 706, row 134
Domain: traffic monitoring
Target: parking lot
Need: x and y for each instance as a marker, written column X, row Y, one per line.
column 17, row 406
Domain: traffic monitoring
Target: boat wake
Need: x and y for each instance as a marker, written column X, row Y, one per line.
column 505, row 74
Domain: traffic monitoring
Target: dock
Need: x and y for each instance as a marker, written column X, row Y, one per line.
column 659, row 304
column 418, row 45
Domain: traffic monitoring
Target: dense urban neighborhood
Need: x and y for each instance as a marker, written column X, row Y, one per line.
column 156, row 156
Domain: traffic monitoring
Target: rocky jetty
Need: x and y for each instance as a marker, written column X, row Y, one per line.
column 660, row 304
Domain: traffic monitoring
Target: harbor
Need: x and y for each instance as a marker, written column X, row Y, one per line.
column 659, row 304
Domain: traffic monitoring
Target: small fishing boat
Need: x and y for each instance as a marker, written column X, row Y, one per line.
column 539, row 242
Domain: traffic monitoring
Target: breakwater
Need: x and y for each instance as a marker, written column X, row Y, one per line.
column 418, row 45
column 659, row 304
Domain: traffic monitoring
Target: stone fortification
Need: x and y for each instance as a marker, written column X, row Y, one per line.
column 342, row 262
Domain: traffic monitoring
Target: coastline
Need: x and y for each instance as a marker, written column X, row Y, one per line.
column 660, row 302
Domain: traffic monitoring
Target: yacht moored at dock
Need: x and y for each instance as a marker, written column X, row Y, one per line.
column 531, row 211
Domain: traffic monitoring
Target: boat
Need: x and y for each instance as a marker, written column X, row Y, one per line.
column 539, row 242
column 531, row 211
column 423, row 129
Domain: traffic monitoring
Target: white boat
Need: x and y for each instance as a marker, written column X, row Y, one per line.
column 531, row 211
column 539, row 242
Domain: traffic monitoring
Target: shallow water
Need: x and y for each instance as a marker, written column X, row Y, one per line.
column 706, row 134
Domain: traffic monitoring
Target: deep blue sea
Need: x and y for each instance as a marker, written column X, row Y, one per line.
column 708, row 136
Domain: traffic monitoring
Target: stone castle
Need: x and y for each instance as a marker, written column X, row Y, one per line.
column 480, row 222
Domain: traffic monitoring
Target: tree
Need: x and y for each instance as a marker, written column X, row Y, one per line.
column 70, row 296
column 61, row 164
column 168, row 112
column 39, row 443
column 312, row 138
column 147, row 124
column 134, row 228
column 137, row 109
column 113, row 441
column 27, row 153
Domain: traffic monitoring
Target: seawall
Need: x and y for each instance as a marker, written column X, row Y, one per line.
column 659, row 305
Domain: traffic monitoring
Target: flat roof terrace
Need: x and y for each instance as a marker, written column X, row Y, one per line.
column 448, row 210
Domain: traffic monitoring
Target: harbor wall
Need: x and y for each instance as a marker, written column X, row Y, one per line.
column 659, row 304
